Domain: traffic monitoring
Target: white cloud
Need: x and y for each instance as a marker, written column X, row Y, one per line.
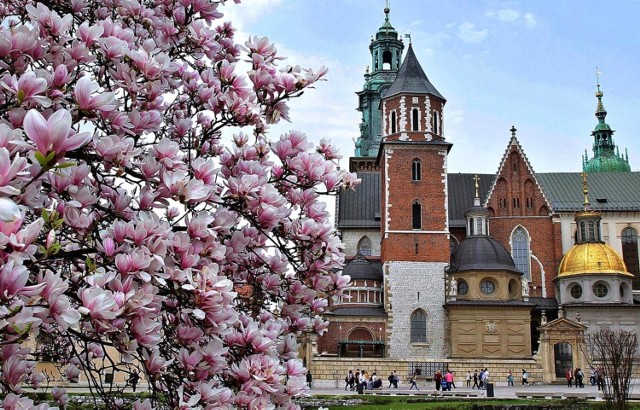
column 244, row 14
column 530, row 20
column 508, row 15
column 468, row 33
column 512, row 16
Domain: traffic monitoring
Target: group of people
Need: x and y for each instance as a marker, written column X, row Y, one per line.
column 444, row 381
column 480, row 379
column 577, row 375
column 366, row 381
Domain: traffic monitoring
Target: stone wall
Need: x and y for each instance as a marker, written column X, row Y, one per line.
column 411, row 286
column 330, row 372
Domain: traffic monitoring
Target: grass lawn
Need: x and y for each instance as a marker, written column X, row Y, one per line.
column 415, row 403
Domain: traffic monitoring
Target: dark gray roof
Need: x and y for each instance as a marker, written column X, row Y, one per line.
column 411, row 79
column 361, row 268
column 360, row 208
column 621, row 190
column 461, row 192
column 608, row 191
column 544, row 303
column 497, row 303
column 481, row 253
column 359, row 311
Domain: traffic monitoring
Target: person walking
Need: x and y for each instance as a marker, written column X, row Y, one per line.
column 575, row 377
column 438, row 379
column 569, row 377
column 468, row 379
column 510, row 379
column 309, row 379
column 475, row 379
column 525, row 377
column 349, row 381
column 485, row 378
column 580, row 376
column 413, row 382
column 481, row 385
column 448, row 377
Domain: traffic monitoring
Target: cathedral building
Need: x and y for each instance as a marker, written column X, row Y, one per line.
column 448, row 267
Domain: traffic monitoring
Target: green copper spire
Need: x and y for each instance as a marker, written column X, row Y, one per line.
column 606, row 157
column 386, row 54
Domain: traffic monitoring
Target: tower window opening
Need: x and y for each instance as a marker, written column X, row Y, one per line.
column 516, row 203
column 503, row 202
column 592, row 231
column 435, row 123
column 416, row 170
column 386, row 60
column 415, row 121
column 393, row 122
column 416, row 209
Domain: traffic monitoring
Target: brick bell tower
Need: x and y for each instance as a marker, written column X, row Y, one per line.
column 414, row 225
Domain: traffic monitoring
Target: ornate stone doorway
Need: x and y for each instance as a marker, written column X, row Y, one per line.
column 561, row 347
column 563, row 358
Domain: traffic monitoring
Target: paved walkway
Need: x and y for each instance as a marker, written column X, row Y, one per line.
column 500, row 389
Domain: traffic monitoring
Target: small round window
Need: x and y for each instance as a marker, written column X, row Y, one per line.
column 576, row 291
column 600, row 290
column 487, row 287
column 463, row 288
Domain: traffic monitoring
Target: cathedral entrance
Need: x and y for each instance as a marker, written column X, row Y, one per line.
column 563, row 358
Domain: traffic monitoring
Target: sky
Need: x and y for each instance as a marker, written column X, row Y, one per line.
column 530, row 64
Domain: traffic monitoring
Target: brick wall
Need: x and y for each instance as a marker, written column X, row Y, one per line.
column 517, row 200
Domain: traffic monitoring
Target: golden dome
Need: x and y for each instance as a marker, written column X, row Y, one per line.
column 588, row 258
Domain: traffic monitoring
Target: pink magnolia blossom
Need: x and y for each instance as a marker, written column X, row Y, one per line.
column 130, row 228
column 54, row 134
column 85, row 88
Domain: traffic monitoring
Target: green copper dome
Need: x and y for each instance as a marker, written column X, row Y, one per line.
column 606, row 157
column 607, row 164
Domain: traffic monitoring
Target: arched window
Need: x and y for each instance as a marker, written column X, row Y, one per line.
column 418, row 326
column 393, row 122
column 416, row 170
column 416, row 209
column 415, row 121
column 520, row 251
column 364, row 246
column 630, row 252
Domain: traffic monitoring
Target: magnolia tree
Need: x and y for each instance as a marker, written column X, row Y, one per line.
column 131, row 236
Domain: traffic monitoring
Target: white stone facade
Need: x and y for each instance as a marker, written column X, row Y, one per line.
column 411, row 286
column 351, row 238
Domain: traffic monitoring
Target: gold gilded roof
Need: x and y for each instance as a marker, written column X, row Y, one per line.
column 588, row 258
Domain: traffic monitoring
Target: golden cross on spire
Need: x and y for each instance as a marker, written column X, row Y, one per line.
column 476, row 179
column 585, row 191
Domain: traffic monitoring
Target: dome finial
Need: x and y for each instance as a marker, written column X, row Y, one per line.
column 585, row 190
column 513, row 131
column 600, row 111
column 386, row 12
column 476, row 179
